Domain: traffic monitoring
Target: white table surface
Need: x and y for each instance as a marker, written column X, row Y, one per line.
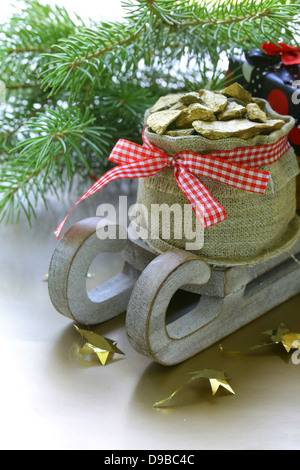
column 53, row 399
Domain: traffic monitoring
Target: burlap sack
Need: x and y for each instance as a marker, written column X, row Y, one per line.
column 258, row 227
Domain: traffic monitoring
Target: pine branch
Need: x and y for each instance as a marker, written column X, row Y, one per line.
column 168, row 31
column 33, row 30
column 48, row 158
column 224, row 19
column 98, row 52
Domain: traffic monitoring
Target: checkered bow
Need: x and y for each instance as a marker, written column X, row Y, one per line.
column 232, row 167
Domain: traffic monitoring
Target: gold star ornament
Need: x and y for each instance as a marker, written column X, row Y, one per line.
column 216, row 378
column 97, row 344
column 289, row 339
column 281, row 335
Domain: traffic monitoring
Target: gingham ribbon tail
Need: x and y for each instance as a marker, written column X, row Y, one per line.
column 232, row 167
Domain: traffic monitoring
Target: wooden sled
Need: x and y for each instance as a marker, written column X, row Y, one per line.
column 229, row 298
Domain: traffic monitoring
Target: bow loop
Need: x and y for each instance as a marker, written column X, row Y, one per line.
column 124, row 152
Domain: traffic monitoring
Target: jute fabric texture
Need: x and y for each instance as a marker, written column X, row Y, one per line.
column 258, row 226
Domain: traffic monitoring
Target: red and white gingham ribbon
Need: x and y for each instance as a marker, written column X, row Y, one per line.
column 227, row 166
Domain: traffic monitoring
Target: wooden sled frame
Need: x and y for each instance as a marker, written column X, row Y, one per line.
column 229, row 297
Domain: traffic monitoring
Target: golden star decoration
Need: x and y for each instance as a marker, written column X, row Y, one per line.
column 280, row 335
column 216, row 378
column 289, row 339
column 97, row 344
